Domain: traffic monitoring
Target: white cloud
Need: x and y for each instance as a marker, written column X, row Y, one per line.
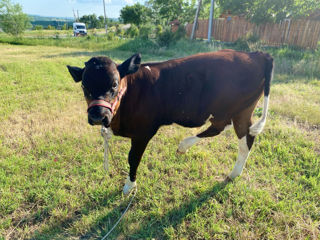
column 130, row 2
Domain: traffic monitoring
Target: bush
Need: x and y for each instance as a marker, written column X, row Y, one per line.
column 241, row 44
column 291, row 53
column 51, row 27
column 180, row 33
column 65, row 27
column 249, row 42
column 38, row 27
column 159, row 29
column 145, row 31
column 133, row 31
column 110, row 36
column 252, row 38
column 120, row 32
column 165, row 38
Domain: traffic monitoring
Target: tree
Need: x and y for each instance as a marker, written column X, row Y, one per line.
column 136, row 14
column 91, row 21
column 65, row 27
column 101, row 21
column 12, row 20
column 260, row 11
column 169, row 10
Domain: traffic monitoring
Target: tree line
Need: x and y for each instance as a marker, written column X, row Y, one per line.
column 162, row 12
column 257, row 11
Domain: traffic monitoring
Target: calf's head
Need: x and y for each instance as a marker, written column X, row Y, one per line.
column 103, row 85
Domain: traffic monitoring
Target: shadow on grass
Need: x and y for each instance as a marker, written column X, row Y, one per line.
column 58, row 229
column 155, row 228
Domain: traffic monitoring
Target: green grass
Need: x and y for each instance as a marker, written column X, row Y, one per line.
column 53, row 186
column 292, row 61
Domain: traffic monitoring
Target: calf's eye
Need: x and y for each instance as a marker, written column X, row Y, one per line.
column 114, row 85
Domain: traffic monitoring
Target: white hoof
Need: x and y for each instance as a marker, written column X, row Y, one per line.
column 128, row 186
column 186, row 144
column 233, row 175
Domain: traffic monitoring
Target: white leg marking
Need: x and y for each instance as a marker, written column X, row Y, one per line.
column 242, row 158
column 147, row 67
column 187, row 143
column 257, row 128
column 128, row 186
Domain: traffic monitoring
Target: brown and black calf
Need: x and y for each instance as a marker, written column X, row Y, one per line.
column 136, row 99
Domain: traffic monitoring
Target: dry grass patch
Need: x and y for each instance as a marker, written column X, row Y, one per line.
column 299, row 101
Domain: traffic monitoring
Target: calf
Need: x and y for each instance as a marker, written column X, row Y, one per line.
column 135, row 99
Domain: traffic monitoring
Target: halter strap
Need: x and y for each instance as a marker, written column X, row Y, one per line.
column 104, row 103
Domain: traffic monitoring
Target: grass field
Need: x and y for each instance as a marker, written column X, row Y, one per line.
column 53, row 186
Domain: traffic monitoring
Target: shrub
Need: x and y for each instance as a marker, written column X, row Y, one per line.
column 65, row 27
column 38, row 27
column 120, row 32
column 133, row 31
column 291, row 53
column 241, row 44
column 159, row 29
column 51, row 27
column 145, row 31
column 252, row 38
column 165, row 38
column 180, row 33
column 110, row 36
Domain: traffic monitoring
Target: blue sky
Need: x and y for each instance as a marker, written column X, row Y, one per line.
column 63, row 8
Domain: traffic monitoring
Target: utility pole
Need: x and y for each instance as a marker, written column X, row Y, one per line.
column 105, row 16
column 78, row 14
column 104, row 10
column 195, row 20
column 210, row 21
column 74, row 15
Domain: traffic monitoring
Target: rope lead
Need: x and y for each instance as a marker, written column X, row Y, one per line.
column 106, row 133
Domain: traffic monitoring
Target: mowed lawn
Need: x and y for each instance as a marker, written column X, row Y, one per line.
column 53, row 186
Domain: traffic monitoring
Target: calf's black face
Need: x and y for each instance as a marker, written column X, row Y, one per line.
column 101, row 83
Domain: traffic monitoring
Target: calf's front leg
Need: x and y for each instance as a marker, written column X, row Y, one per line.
column 138, row 145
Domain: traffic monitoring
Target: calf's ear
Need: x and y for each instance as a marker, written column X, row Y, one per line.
column 131, row 65
column 76, row 73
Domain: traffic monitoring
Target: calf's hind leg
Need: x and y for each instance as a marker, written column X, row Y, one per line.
column 242, row 123
column 245, row 144
column 215, row 129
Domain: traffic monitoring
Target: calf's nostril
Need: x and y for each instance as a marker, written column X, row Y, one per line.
column 96, row 118
column 106, row 122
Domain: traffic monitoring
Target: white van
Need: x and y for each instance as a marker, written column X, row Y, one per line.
column 79, row 29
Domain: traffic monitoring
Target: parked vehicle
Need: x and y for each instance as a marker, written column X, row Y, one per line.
column 79, row 29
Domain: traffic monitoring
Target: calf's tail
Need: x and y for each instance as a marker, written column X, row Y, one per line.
column 257, row 128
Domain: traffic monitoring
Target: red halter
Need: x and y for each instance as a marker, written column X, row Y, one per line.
column 103, row 103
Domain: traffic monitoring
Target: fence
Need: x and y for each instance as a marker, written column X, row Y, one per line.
column 302, row 33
